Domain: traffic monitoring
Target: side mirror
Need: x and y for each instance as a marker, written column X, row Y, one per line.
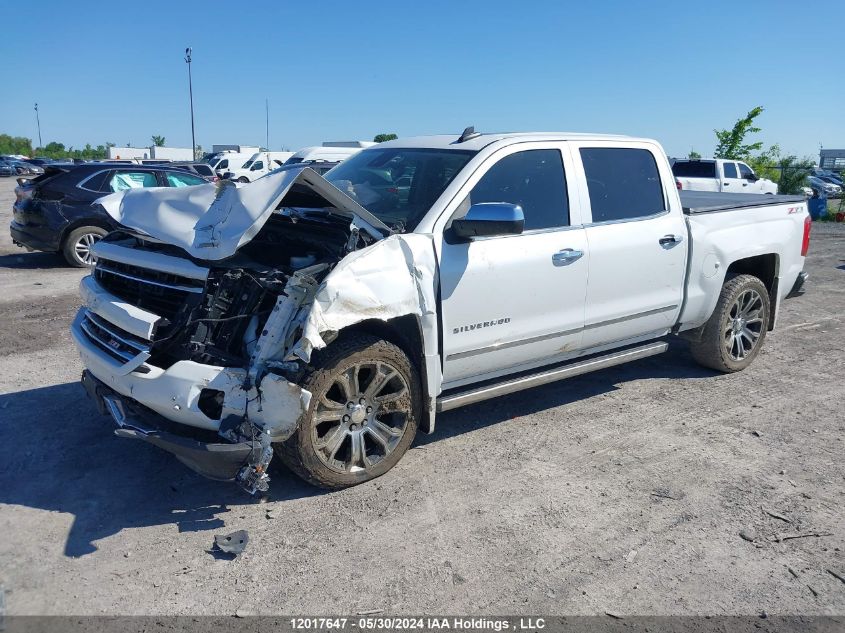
column 490, row 218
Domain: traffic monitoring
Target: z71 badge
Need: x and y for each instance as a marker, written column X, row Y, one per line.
column 478, row 326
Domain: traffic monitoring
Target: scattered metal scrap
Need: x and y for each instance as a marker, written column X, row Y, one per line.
column 233, row 543
column 787, row 537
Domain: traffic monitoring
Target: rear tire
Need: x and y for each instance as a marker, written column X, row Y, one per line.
column 77, row 246
column 735, row 332
column 363, row 416
column 243, row 179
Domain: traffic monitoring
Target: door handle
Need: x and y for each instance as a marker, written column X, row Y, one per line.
column 566, row 256
column 667, row 240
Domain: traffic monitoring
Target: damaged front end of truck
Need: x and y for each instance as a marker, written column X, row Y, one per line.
column 200, row 317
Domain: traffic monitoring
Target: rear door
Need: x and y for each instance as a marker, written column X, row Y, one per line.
column 731, row 182
column 636, row 242
column 513, row 300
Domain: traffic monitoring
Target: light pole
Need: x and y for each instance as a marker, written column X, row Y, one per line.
column 38, row 121
column 191, row 93
column 267, row 123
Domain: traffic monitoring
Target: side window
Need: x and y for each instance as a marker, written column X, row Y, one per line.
column 97, row 182
column 534, row 180
column 745, row 171
column 223, row 164
column 623, row 183
column 259, row 164
column 183, row 180
column 730, row 170
column 122, row 180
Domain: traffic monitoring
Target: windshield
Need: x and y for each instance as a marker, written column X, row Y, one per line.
column 398, row 185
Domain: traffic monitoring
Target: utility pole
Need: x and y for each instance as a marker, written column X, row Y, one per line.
column 191, row 94
column 38, row 121
column 267, row 123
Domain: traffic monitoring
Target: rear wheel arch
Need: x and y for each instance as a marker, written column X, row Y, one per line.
column 766, row 268
column 79, row 223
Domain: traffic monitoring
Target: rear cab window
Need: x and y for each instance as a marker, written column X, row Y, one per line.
column 623, row 183
column 694, row 169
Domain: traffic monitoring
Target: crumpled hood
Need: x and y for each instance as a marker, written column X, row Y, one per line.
column 213, row 221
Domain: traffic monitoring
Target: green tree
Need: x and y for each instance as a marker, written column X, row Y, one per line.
column 693, row 154
column 15, row 145
column 731, row 142
column 381, row 138
column 766, row 164
column 793, row 174
column 157, row 140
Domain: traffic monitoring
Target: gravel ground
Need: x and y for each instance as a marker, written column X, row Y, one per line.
column 622, row 491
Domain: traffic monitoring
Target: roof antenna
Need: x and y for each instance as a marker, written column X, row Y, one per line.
column 468, row 134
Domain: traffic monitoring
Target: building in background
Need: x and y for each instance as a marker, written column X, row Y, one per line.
column 153, row 152
column 832, row 159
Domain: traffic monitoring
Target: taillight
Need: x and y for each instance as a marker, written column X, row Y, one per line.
column 679, row 185
column 805, row 242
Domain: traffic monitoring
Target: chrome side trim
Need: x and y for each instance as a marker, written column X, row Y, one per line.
column 657, row 214
column 544, row 337
column 101, row 267
column 449, row 402
column 629, row 317
column 498, row 346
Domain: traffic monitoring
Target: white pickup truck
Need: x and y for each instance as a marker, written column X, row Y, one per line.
column 727, row 176
column 327, row 319
column 258, row 165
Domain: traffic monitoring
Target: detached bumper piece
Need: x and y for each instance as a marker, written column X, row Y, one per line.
column 798, row 288
column 215, row 460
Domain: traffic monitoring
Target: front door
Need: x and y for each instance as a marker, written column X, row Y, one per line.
column 513, row 300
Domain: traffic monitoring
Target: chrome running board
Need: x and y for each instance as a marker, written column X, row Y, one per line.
column 512, row 385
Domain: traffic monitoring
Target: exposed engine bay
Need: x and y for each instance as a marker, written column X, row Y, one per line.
column 244, row 323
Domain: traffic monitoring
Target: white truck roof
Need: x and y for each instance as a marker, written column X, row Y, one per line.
column 449, row 141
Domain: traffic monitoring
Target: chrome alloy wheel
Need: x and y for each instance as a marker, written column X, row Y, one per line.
column 744, row 325
column 362, row 417
column 83, row 247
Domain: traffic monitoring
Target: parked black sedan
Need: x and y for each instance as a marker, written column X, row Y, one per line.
column 56, row 211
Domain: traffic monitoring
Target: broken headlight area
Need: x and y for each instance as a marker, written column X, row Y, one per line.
column 243, row 314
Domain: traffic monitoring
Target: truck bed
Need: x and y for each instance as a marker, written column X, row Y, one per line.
column 694, row 202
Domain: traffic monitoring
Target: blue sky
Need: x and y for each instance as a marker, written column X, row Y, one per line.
column 673, row 71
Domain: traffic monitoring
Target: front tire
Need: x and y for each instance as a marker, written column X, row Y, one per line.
column 243, row 179
column 363, row 416
column 77, row 246
column 735, row 332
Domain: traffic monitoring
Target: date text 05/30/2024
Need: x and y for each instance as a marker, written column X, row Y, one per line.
column 413, row 623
